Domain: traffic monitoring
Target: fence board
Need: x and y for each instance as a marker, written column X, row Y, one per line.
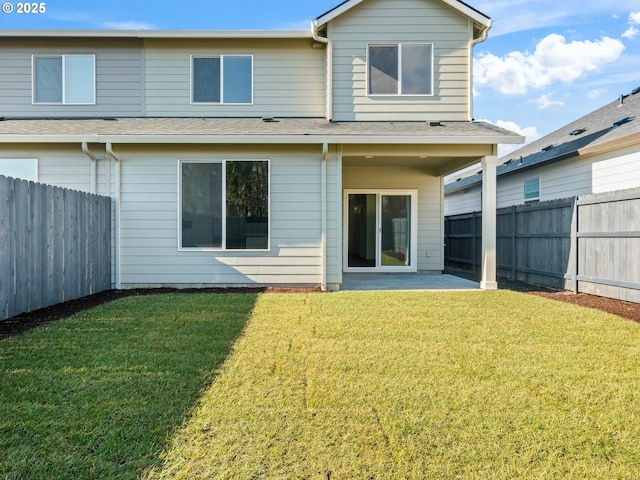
column 589, row 244
column 55, row 245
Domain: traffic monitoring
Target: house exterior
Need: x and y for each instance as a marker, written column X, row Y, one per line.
column 596, row 154
column 244, row 158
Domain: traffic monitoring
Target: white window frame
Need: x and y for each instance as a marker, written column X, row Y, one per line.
column 64, row 92
column 223, row 247
column 221, row 57
column 524, row 189
column 399, row 91
column 35, row 163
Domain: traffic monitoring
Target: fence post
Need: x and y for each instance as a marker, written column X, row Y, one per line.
column 573, row 265
column 513, row 242
column 474, row 243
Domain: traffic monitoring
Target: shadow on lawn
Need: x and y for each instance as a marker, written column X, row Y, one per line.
column 100, row 394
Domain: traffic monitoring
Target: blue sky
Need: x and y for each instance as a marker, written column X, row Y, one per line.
column 545, row 64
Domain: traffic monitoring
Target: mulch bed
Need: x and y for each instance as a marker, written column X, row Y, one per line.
column 27, row 321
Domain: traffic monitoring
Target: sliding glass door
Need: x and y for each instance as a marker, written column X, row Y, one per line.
column 380, row 231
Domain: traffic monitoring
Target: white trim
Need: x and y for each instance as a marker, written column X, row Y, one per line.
column 221, row 102
column 379, row 268
column 168, row 34
column 64, row 78
column 456, row 5
column 265, row 139
column 223, row 247
column 399, row 91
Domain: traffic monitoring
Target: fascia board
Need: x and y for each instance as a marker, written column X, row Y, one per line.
column 456, row 5
column 262, row 139
column 158, row 34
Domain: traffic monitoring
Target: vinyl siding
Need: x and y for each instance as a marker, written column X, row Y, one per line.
column 149, row 216
column 464, row 201
column 118, row 77
column 608, row 172
column 409, row 21
column 430, row 222
column 289, row 78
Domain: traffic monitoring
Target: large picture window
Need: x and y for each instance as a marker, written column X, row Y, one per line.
column 222, row 79
column 225, row 205
column 64, row 79
column 400, row 69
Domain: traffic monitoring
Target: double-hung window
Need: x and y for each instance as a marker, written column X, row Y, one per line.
column 64, row 79
column 400, row 69
column 222, row 79
column 224, row 205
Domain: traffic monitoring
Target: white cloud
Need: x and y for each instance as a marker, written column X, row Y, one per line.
column 554, row 61
column 597, row 93
column 545, row 101
column 128, row 26
column 632, row 31
column 530, row 134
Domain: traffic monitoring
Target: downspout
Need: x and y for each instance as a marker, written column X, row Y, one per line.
column 329, row 92
column 94, row 167
column 325, row 152
column 118, row 193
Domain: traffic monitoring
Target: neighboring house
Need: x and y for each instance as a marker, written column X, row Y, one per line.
column 239, row 158
column 596, row 154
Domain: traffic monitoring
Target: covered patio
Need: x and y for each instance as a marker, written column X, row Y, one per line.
column 404, row 281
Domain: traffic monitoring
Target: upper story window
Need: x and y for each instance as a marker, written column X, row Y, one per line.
column 400, row 69
column 532, row 190
column 222, row 79
column 64, row 79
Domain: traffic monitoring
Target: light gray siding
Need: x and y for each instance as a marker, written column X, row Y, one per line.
column 411, row 21
column 608, row 172
column 118, row 77
column 463, row 201
column 149, row 216
column 289, row 78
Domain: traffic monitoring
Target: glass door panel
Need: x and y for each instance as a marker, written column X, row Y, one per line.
column 362, row 230
column 395, row 219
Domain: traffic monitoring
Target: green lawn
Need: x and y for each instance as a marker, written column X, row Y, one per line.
column 352, row 385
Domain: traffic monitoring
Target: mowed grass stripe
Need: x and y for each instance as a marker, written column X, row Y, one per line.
column 419, row 385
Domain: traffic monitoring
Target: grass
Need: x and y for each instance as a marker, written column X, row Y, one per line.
column 349, row 385
column 97, row 396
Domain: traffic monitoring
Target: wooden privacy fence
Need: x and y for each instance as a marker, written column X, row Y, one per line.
column 55, row 245
column 588, row 244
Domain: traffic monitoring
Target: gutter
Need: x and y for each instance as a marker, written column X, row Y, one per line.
column 118, row 235
column 329, row 44
column 94, row 167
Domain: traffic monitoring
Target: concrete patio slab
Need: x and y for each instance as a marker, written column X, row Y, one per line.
column 405, row 281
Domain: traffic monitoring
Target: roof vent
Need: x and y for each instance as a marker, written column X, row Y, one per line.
column 578, row 131
column 269, row 120
column 436, row 124
column 547, row 148
column 635, row 91
column 622, row 121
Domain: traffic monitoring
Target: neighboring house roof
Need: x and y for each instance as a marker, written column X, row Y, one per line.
column 249, row 130
column 478, row 17
column 613, row 126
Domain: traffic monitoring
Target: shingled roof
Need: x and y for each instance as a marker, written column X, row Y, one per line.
column 606, row 128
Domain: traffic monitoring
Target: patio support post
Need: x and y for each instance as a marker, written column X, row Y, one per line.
column 488, row 281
